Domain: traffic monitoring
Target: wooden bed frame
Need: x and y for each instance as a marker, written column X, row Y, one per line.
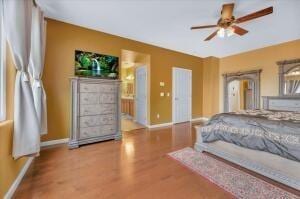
column 273, row 166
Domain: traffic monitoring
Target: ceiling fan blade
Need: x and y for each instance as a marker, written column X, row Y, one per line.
column 211, row 36
column 201, row 27
column 255, row 15
column 238, row 30
column 227, row 11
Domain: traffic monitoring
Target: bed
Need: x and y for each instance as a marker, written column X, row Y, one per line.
column 264, row 141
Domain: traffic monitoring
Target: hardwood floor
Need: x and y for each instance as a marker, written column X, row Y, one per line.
column 136, row 167
column 130, row 125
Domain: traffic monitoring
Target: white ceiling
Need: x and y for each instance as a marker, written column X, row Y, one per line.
column 166, row 23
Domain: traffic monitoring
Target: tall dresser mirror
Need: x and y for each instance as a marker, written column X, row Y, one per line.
column 289, row 77
column 241, row 90
column 289, row 88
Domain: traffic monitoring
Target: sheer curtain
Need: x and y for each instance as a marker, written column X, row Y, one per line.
column 292, row 86
column 17, row 23
column 37, row 55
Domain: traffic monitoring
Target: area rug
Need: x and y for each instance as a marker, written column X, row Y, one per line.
column 239, row 183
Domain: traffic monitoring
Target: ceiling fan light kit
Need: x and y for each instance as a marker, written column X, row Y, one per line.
column 227, row 24
column 222, row 32
column 230, row 31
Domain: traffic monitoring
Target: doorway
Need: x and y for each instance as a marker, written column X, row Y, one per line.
column 134, row 98
column 182, row 95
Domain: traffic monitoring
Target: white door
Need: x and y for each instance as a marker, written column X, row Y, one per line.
column 182, row 95
column 141, row 95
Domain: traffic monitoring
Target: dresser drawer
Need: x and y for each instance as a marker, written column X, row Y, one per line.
column 107, row 98
column 97, row 109
column 89, row 132
column 284, row 108
column 97, row 120
column 87, row 88
column 97, row 98
column 284, row 103
column 90, row 88
column 89, row 98
column 288, row 103
column 108, row 88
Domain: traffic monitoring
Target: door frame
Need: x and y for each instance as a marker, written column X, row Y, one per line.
column 135, row 87
column 173, row 93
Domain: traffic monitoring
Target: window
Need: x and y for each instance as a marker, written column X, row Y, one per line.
column 2, row 67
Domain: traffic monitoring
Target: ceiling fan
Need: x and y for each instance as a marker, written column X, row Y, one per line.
column 227, row 24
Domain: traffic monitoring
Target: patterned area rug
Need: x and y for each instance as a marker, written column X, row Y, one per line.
column 240, row 184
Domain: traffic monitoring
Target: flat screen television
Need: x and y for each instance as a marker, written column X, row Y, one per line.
column 88, row 64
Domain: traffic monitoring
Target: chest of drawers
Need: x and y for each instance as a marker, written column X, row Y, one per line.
column 95, row 111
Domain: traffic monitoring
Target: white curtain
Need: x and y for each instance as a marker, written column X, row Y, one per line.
column 17, row 23
column 292, row 86
column 37, row 55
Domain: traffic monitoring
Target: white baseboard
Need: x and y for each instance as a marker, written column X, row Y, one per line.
column 204, row 119
column 19, row 178
column 54, row 142
column 200, row 119
column 160, row 125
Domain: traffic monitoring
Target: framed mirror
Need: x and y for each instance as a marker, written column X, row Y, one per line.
column 289, row 77
column 241, row 90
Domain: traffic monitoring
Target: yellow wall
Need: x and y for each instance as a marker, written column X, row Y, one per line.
column 210, row 86
column 9, row 168
column 63, row 39
column 265, row 59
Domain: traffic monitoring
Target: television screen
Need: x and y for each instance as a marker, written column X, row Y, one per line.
column 88, row 64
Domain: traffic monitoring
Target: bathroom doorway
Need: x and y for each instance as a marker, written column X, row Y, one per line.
column 134, row 98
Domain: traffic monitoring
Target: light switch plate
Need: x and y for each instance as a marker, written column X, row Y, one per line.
column 162, row 94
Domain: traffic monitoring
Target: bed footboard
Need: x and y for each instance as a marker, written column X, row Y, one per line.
column 273, row 166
